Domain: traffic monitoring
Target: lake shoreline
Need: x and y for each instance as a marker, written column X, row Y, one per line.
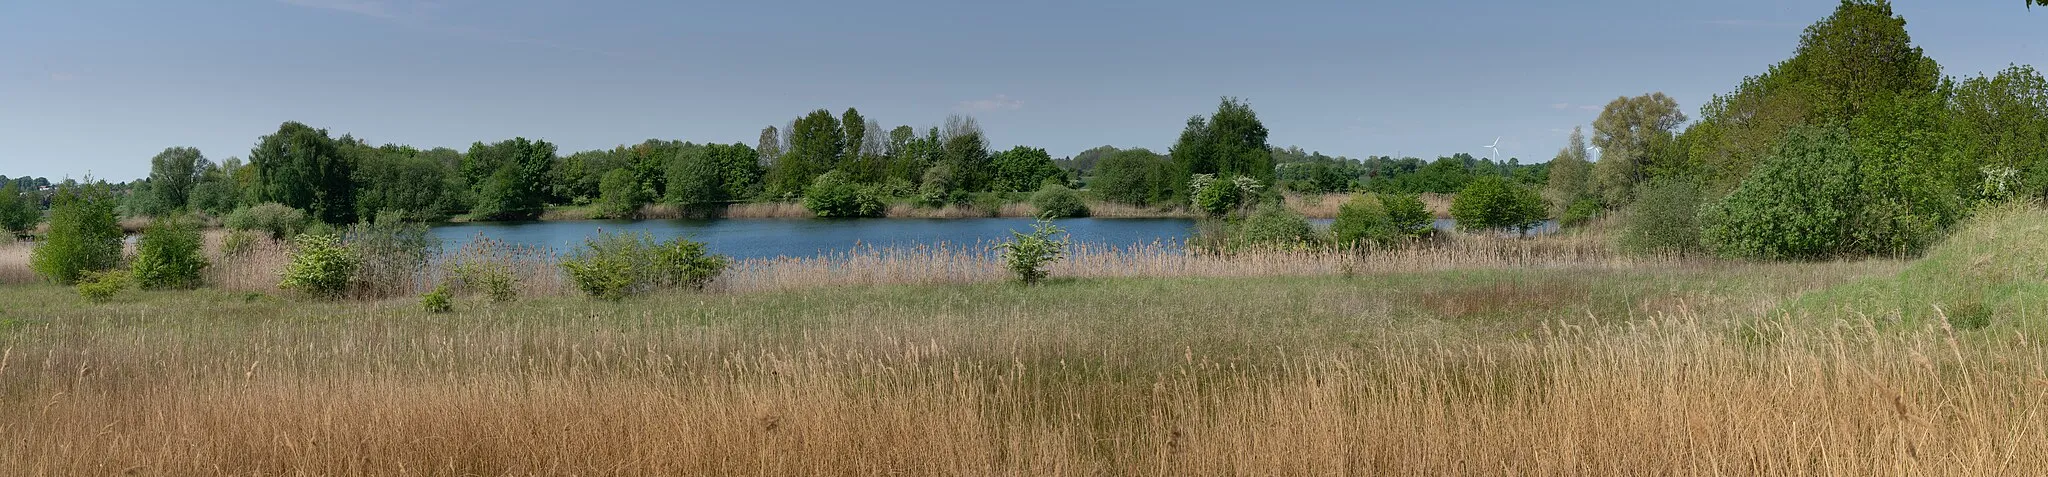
column 1322, row 206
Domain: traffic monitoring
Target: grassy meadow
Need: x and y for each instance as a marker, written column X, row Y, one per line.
column 1482, row 356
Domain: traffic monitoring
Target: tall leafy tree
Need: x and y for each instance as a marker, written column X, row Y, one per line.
column 769, row 146
column 964, row 148
column 84, row 236
column 513, row 189
column 1134, row 176
column 18, row 211
column 300, row 167
column 815, row 144
column 172, row 174
column 2001, row 121
column 1231, row 142
column 1571, row 175
column 1023, row 169
column 395, row 178
column 1631, row 133
column 855, row 135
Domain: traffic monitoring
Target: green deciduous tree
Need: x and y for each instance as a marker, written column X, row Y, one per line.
column 172, row 175
column 168, row 255
column 619, row 194
column 1023, row 169
column 1571, row 175
column 84, row 236
column 815, row 144
column 1135, row 177
column 299, row 166
column 509, row 178
column 1629, row 133
column 1798, row 204
column 18, row 210
column 1231, row 142
column 1491, row 203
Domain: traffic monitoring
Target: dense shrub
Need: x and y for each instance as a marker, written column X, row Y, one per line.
column 437, row 300
column 1580, row 213
column 321, row 265
column 1491, row 203
column 392, row 252
column 1797, row 204
column 279, row 220
column 1220, row 196
column 1028, row 254
column 1408, row 214
column 1273, row 225
column 84, row 236
column 1364, row 221
column 169, row 255
column 615, row 266
column 237, row 242
column 1058, row 201
column 18, row 210
column 1664, row 218
column 101, row 286
column 619, row 194
column 832, row 195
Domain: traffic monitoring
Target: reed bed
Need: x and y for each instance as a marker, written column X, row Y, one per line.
column 1179, row 377
column 14, row 262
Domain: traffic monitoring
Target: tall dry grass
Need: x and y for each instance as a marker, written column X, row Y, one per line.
column 14, row 262
column 1325, row 377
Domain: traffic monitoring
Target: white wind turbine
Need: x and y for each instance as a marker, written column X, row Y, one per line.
column 1496, row 148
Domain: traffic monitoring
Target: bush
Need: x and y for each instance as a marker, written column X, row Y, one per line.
column 279, row 220
column 169, row 255
column 320, row 266
column 1491, row 203
column 1273, row 225
column 437, row 300
column 84, row 236
column 18, row 210
column 1580, row 213
column 1796, row 204
column 615, row 266
column 1221, row 196
column 392, row 252
column 1028, row 254
column 236, row 243
column 1364, row 221
column 1664, row 218
column 99, row 287
column 1057, row 201
column 832, row 195
column 619, row 194
column 1408, row 215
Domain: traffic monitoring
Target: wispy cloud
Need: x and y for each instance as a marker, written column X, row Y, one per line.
column 369, row 8
column 1739, row 23
column 1570, row 106
column 1000, row 102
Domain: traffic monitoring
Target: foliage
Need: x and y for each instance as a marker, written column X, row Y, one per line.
column 301, row 167
column 1027, row 255
column 403, row 178
column 1581, row 213
column 278, row 220
column 1491, row 203
column 1022, row 169
column 508, row 176
column 169, row 255
column 1631, row 134
column 1408, row 215
column 237, row 242
column 619, row 195
column 1274, row 226
column 1570, row 181
column 1364, row 221
column 714, row 173
column 437, row 300
column 18, row 211
column 1991, row 266
column 390, row 251
column 1231, row 142
column 320, row 265
column 815, row 144
column 1222, row 196
column 832, row 195
column 614, row 266
column 1664, row 218
column 1056, row 201
column 1133, row 176
column 172, row 173
column 84, row 236
column 101, row 286
column 1798, row 204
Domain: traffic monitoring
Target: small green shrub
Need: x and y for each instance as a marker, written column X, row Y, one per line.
column 19, row 211
column 99, row 287
column 616, row 266
column 1274, row 226
column 1796, row 204
column 494, row 281
column 437, row 300
column 833, row 195
column 1057, row 201
column 1364, row 221
column 279, row 220
column 1491, row 203
column 1408, row 215
column 169, row 255
column 1028, row 254
column 1221, row 196
column 84, row 236
column 393, row 253
column 1664, row 218
column 1580, row 213
column 320, row 266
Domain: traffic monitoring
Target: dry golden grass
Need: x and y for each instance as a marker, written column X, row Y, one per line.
column 14, row 263
column 768, row 210
column 1154, row 377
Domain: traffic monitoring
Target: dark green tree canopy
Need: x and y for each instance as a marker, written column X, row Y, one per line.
column 300, row 167
column 1231, row 142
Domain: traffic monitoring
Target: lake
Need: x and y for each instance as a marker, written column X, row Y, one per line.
column 770, row 238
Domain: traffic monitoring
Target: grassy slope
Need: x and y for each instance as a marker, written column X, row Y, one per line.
column 1995, row 267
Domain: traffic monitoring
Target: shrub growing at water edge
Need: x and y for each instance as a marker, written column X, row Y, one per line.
column 1056, row 201
column 1408, row 215
column 279, row 220
column 84, row 236
column 320, row 266
column 169, row 255
column 1491, row 203
column 832, row 195
column 1028, row 255
column 437, row 300
column 1664, row 218
column 616, row 266
column 392, row 253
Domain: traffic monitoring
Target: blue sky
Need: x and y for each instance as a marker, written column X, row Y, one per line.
column 89, row 86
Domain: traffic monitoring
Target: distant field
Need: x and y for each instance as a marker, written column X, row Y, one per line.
column 1606, row 368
